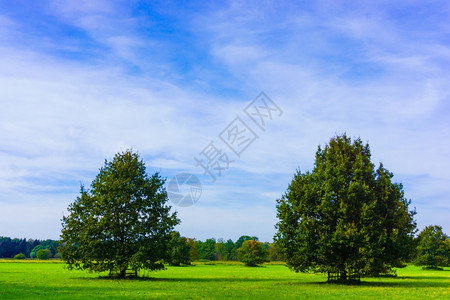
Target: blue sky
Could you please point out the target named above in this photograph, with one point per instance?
(83, 80)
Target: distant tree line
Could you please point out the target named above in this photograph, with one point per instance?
(186, 250)
(9, 248)
(431, 249)
(181, 250)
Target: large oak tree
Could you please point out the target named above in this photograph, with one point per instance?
(344, 217)
(122, 223)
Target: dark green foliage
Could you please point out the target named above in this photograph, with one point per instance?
(31, 244)
(344, 216)
(35, 250)
(179, 250)
(252, 253)
(193, 252)
(47, 244)
(121, 223)
(274, 253)
(10, 247)
(206, 249)
(43, 254)
(433, 248)
(244, 238)
(225, 250)
(19, 256)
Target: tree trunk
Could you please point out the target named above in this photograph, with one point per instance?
(343, 275)
(123, 273)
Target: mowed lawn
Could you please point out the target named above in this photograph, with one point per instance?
(50, 280)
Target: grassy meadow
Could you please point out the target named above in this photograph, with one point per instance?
(50, 280)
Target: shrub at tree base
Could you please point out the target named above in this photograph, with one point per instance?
(252, 253)
(19, 256)
(43, 254)
(344, 217)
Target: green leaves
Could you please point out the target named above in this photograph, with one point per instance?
(252, 253)
(433, 248)
(179, 250)
(344, 215)
(122, 222)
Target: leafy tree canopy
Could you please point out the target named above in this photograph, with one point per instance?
(252, 253)
(43, 254)
(225, 250)
(179, 250)
(433, 248)
(121, 223)
(244, 238)
(344, 216)
(206, 249)
(19, 256)
(193, 246)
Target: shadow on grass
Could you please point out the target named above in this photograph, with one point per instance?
(434, 269)
(426, 278)
(193, 279)
(398, 282)
(408, 283)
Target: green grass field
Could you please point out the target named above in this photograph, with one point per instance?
(49, 280)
